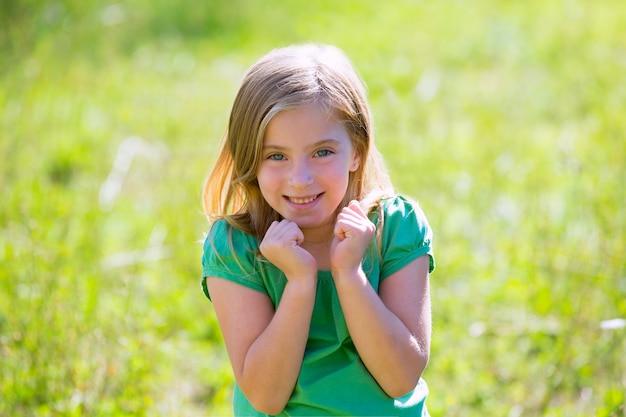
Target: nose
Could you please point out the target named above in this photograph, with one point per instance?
(300, 174)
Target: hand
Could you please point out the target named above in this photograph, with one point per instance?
(281, 246)
(353, 234)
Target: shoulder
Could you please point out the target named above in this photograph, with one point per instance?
(398, 203)
(227, 246)
(231, 254)
(400, 210)
(223, 237)
(404, 229)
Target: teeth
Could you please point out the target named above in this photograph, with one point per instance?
(302, 200)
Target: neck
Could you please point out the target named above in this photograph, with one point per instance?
(319, 235)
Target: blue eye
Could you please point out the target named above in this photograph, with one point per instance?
(323, 152)
(276, 157)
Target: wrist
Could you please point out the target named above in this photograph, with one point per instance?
(354, 274)
(302, 282)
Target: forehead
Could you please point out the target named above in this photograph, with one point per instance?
(305, 123)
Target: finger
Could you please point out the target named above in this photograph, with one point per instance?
(352, 224)
(296, 234)
(279, 228)
(344, 226)
(356, 206)
(354, 210)
(289, 231)
(272, 229)
(351, 219)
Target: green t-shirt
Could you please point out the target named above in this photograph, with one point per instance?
(333, 381)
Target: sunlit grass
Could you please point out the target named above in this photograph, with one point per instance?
(505, 120)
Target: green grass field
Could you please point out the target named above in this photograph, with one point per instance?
(506, 120)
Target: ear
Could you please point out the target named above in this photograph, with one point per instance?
(356, 162)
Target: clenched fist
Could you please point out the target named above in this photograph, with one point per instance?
(353, 234)
(281, 245)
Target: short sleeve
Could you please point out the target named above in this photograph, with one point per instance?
(406, 235)
(230, 254)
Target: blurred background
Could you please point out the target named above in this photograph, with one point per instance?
(505, 119)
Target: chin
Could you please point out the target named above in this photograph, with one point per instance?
(308, 224)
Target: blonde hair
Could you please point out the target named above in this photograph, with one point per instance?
(288, 78)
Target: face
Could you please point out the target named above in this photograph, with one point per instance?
(307, 157)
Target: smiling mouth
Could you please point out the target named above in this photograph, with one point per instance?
(303, 200)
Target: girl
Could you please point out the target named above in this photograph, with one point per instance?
(317, 271)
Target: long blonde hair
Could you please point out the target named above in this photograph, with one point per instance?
(288, 78)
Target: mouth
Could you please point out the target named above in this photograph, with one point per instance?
(303, 200)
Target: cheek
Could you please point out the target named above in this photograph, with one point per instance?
(338, 179)
(262, 180)
(268, 180)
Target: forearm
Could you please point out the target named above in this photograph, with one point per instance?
(394, 355)
(272, 364)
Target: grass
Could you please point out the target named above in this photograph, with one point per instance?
(509, 118)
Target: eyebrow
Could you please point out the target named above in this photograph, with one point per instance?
(314, 145)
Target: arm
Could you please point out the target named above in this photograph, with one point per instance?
(391, 329)
(266, 347)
